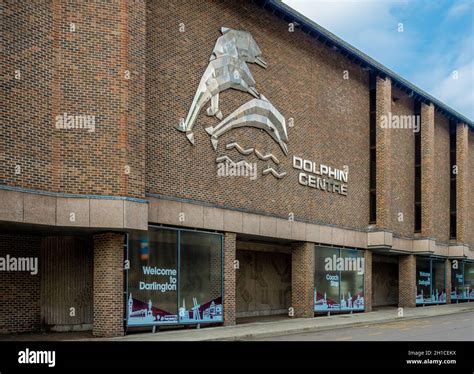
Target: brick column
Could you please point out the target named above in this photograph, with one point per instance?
(448, 281)
(230, 241)
(368, 280)
(383, 152)
(407, 281)
(427, 169)
(302, 279)
(108, 285)
(462, 183)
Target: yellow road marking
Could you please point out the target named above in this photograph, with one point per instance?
(376, 333)
(344, 338)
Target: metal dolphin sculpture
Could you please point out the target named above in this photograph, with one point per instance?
(227, 69)
(258, 113)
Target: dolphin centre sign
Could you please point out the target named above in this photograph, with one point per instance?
(228, 69)
(321, 177)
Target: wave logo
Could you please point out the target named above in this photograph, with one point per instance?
(228, 69)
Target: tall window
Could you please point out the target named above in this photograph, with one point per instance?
(452, 195)
(430, 281)
(417, 112)
(338, 279)
(175, 277)
(373, 154)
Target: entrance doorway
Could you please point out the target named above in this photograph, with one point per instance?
(263, 280)
(384, 281)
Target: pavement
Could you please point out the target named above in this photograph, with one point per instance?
(293, 326)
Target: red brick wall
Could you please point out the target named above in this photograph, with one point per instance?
(19, 291)
(230, 241)
(403, 168)
(108, 284)
(368, 280)
(304, 81)
(302, 282)
(463, 230)
(470, 234)
(407, 281)
(80, 73)
(442, 175)
(383, 154)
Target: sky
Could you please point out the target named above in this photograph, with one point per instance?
(428, 42)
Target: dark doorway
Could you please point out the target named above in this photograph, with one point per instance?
(384, 281)
(263, 281)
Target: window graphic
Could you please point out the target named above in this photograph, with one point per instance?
(468, 288)
(338, 279)
(462, 281)
(430, 281)
(175, 276)
(200, 277)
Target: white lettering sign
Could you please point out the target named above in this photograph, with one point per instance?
(321, 177)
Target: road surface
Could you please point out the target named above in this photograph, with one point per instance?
(459, 326)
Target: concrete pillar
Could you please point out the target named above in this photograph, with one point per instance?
(108, 285)
(302, 279)
(368, 280)
(383, 152)
(448, 281)
(427, 169)
(462, 183)
(230, 241)
(407, 281)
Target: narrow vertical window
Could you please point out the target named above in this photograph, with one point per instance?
(417, 112)
(453, 174)
(373, 154)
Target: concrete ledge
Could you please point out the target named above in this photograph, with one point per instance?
(400, 244)
(460, 251)
(379, 239)
(441, 250)
(424, 245)
(49, 210)
(196, 215)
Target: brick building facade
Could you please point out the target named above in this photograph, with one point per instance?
(135, 66)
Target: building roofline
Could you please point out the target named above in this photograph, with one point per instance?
(278, 8)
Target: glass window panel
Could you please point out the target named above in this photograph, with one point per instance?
(152, 278)
(423, 280)
(457, 282)
(468, 280)
(438, 293)
(326, 282)
(352, 280)
(200, 295)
